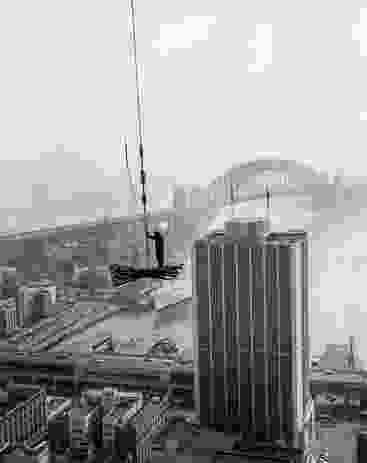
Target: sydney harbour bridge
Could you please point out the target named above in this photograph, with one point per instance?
(287, 181)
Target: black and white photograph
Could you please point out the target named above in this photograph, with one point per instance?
(183, 231)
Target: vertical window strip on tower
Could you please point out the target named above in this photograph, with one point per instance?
(278, 351)
(266, 343)
(294, 329)
(218, 344)
(237, 310)
(299, 334)
(211, 380)
(230, 314)
(251, 343)
(224, 331)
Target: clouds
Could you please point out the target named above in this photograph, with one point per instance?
(174, 36)
(263, 47)
(359, 32)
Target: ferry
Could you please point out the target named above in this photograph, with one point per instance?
(165, 348)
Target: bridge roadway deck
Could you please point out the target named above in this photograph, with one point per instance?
(131, 368)
(82, 226)
(67, 324)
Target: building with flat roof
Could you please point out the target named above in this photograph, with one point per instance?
(18, 456)
(56, 405)
(80, 416)
(182, 441)
(338, 357)
(122, 408)
(8, 316)
(59, 434)
(181, 437)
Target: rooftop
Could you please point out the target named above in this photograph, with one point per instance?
(82, 408)
(340, 440)
(12, 395)
(120, 408)
(337, 356)
(17, 456)
(234, 457)
(195, 440)
(53, 403)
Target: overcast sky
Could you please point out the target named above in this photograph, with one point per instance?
(66, 78)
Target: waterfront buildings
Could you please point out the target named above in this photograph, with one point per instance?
(34, 301)
(8, 281)
(180, 199)
(32, 259)
(8, 316)
(251, 333)
(95, 277)
(338, 357)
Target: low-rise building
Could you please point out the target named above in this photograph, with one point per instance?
(80, 417)
(56, 405)
(8, 281)
(147, 422)
(34, 300)
(59, 434)
(19, 456)
(338, 357)
(118, 408)
(23, 415)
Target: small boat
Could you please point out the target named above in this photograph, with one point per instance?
(127, 341)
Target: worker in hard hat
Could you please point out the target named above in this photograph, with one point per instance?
(158, 238)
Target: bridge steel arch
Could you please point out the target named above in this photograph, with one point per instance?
(249, 180)
(297, 179)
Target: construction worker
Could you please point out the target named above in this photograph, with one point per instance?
(157, 237)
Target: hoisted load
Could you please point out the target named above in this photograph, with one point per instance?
(122, 274)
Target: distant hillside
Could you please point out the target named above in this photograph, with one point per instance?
(65, 189)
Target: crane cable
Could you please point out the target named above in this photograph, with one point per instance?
(133, 191)
(122, 274)
(140, 131)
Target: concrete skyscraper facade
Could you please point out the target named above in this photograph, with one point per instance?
(251, 333)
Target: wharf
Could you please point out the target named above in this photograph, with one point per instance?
(76, 327)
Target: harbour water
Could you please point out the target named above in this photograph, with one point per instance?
(174, 321)
(338, 258)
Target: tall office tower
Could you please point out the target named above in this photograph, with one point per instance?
(251, 349)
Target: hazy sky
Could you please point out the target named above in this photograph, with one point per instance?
(66, 78)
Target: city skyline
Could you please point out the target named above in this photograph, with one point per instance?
(51, 95)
